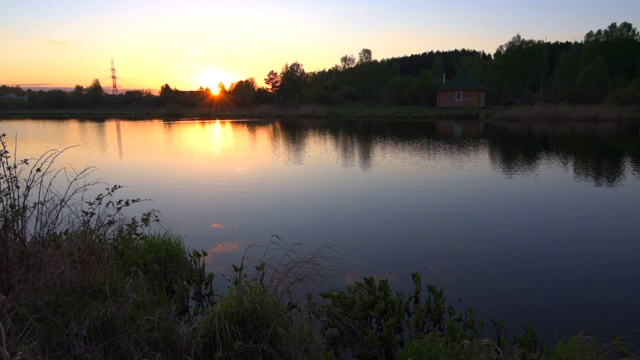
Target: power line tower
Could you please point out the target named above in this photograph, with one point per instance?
(114, 85)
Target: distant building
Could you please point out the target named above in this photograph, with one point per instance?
(462, 91)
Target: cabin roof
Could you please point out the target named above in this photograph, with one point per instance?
(462, 82)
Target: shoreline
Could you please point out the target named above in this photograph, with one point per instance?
(560, 112)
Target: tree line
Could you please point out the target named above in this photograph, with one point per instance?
(602, 68)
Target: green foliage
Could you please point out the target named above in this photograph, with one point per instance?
(78, 278)
(365, 56)
(251, 323)
(521, 65)
(347, 62)
(593, 82)
(293, 82)
(161, 260)
(626, 96)
(260, 317)
(372, 321)
(403, 90)
(243, 92)
(434, 346)
(564, 82)
(427, 84)
(199, 283)
(95, 92)
(273, 81)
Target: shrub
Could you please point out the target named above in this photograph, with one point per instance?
(372, 321)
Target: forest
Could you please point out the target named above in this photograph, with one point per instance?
(602, 68)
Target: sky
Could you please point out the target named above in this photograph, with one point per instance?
(189, 43)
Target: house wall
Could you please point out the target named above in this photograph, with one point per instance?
(470, 98)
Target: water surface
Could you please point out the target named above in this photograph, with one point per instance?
(532, 223)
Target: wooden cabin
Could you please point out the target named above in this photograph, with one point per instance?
(462, 91)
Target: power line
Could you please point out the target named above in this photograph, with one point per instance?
(114, 84)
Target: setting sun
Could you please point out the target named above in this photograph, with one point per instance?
(211, 78)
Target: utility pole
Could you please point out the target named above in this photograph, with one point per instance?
(114, 85)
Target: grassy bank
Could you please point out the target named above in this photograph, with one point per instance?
(259, 112)
(358, 112)
(80, 279)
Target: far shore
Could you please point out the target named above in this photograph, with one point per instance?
(345, 112)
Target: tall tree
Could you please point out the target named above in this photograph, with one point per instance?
(347, 62)
(243, 91)
(95, 92)
(78, 96)
(473, 66)
(222, 90)
(166, 95)
(273, 81)
(593, 81)
(427, 85)
(365, 56)
(438, 67)
(402, 90)
(522, 64)
(565, 75)
(293, 80)
(619, 47)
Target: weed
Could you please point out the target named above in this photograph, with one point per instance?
(370, 320)
(260, 316)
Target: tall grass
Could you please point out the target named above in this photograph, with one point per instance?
(565, 112)
(77, 277)
(263, 314)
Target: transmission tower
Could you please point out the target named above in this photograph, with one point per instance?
(114, 85)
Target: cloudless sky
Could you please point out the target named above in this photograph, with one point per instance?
(192, 43)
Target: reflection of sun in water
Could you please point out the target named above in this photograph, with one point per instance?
(211, 78)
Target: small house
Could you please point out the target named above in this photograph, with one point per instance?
(462, 91)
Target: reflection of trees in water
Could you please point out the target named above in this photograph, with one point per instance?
(358, 141)
(514, 153)
(634, 154)
(361, 139)
(346, 146)
(353, 143)
(599, 158)
(602, 171)
(294, 136)
(597, 151)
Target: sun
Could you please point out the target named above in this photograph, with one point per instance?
(211, 77)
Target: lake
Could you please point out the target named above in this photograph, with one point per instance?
(530, 222)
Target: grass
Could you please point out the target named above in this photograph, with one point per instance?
(346, 112)
(307, 111)
(552, 112)
(79, 279)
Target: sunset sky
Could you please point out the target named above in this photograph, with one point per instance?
(192, 43)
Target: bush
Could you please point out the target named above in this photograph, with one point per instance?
(372, 321)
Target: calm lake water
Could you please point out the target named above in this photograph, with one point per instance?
(532, 223)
